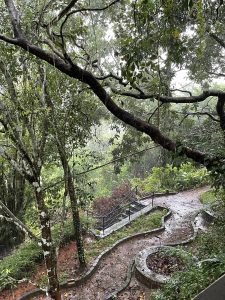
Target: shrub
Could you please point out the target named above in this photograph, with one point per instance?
(209, 247)
(19, 264)
(172, 178)
(208, 197)
(119, 195)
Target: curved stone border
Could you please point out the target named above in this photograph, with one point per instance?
(125, 284)
(96, 263)
(208, 216)
(146, 275)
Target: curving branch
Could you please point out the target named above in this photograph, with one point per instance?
(85, 10)
(198, 114)
(171, 99)
(182, 91)
(13, 219)
(76, 72)
(62, 13)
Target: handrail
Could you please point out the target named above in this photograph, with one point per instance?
(119, 205)
(105, 221)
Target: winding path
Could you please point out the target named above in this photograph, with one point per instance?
(113, 268)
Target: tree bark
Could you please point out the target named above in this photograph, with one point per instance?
(75, 211)
(47, 245)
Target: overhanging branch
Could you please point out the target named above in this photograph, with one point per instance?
(12, 218)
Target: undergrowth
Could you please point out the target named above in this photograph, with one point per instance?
(24, 259)
(208, 197)
(209, 249)
(145, 223)
(170, 178)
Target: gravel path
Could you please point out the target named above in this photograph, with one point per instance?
(113, 269)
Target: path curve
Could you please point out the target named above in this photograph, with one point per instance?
(113, 268)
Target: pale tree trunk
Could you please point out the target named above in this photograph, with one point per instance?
(47, 245)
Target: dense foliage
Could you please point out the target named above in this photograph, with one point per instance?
(171, 178)
(67, 65)
(209, 249)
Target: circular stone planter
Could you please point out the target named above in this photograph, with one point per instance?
(146, 275)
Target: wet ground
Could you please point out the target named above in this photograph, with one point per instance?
(114, 267)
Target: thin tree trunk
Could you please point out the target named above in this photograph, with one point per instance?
(76, 220)
(68, 182)
(74, 207)
(47, 245)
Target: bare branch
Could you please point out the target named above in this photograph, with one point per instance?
(62, 13)
(182, 91)
(170, 99)
(217, 39)
(198, 114)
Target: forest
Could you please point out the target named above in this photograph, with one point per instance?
(112, 132)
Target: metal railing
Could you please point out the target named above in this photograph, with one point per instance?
(121, 211)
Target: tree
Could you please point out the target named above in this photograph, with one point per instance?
(12, 191)
(26, 131)
(64, 48)
(153, 40)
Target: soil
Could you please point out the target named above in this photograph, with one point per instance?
(164, 264)
(112, 270)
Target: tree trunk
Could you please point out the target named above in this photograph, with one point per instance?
(76, 220)
(68, 184)
(47, 245)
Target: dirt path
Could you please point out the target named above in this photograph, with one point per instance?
(113, 268)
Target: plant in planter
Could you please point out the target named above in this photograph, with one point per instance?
(155, 265)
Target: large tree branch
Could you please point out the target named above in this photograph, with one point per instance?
(156, 135)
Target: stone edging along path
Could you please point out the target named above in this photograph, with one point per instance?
(205, 214)
(96, 263)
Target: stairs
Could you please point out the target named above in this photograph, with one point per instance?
(118, 215)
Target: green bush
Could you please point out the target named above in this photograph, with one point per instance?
(19, 264)
(208, 197)
(172, 178)
(23, 260)
(208, 246)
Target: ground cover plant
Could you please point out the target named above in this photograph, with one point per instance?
(208, 197)
(23, 261)
(65, 63)
(209, 249)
